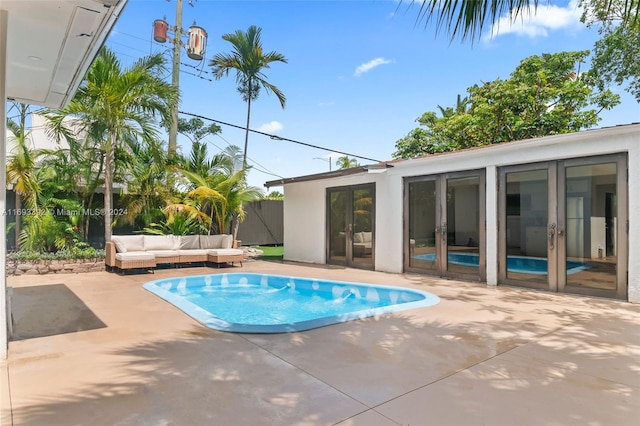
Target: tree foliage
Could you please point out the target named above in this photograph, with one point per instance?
(345, 162)
(21, 170)
(616, 57)
(468, 19)
(273, 195)
(545, 95)
(115, 103)
(196, 130)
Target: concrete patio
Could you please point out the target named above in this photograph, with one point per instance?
(98, 349)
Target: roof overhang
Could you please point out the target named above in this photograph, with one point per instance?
(370, 168)
(51, 44)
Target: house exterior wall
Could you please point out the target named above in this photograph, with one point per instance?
(305, 202)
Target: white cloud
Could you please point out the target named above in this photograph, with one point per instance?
(271, 127)
(366, 67)
(538, 23)
(326, 104)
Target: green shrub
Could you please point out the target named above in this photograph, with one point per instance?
(80, 251)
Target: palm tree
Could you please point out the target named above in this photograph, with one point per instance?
(248, 60)
(345, 162)
(219, 190)
(21, 168)
(468, 18)
(461, 107)
(147, 192)
(77, 171)
(114, 104)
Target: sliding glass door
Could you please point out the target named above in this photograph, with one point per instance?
(350, 226)
(444, 224)
(563, 226)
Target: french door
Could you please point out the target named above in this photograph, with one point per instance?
(444, 229)
(351, 226)
(563, 226)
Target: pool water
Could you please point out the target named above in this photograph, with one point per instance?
(518, 264)
(260, 303)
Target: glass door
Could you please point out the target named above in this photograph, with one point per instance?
(465, 214)
(422, 231)
(594, 246)
(527, 226)
(444, 231)
(350, 226)
(563, 226)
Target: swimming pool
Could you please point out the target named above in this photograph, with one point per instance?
(261, 303)
(518, 264)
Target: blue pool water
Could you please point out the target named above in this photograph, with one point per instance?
(260, 303)
(520, 264)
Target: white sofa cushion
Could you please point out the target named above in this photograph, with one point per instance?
(362, 237)
(125, 243)
(135, 255)
(187, 242)
(163, 253)
(193, 252)
(225, 252)
(220, 241)
(160, 242)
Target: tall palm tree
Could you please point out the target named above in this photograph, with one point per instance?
(248, 60)
(21, 164)
(115, 103)
(468, 18)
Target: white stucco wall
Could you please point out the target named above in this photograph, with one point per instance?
(304, 205)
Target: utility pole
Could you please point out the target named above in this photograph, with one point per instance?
(195, 50)
(175, 80)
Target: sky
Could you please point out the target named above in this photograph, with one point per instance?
(359, 72)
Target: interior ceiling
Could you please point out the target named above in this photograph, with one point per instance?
(51, 44)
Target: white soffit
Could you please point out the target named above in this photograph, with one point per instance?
(51, 44)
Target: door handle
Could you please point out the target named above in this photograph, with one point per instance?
(443, 231)
(551, 232)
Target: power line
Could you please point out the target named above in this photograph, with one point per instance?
(278, 137)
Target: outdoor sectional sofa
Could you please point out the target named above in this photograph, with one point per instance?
(147, 251)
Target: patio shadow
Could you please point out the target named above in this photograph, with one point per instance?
(59, 311)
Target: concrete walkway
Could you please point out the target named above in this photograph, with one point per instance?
(97, 349)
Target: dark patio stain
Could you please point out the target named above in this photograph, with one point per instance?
(47, 310)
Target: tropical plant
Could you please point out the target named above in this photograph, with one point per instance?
(273, 195)
(114, 104)
(219, 190)
(460, 107)
(468, 19)
(248, 60)
(76, 171)
(147, 192)
(345, 162)
(21, 172)
(54, 226)
(544, 95)
(179, 220)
